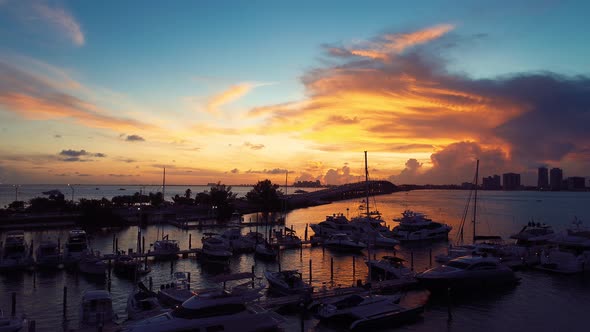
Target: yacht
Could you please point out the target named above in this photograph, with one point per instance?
(572, 254)
(130, 267)
(288, 239)
(415, 226)
(341, 241)
(176, 291)
(530, 241)
(96, 310)
(287, 282)
(336, 223)
(15, 253)
(370, 231)
(488, 245)
(389, 267)
(215, 250)
(165, 248)
(360, 311)
(467, 272)
(76, 246)
(48, 255)
(92, 264)
(236, 241)
(143, 303)
(213, 310)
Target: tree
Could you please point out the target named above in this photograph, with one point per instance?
(222, 199)
(187, 193)
(266, 196)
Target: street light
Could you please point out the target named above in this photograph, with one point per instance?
(72, 187)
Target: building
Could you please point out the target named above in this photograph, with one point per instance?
(491, 183)
(543, 178)
(511, 181)
(555, 178)
(576, 183)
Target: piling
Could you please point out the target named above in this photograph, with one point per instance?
(116, 245)
(188, 278)
(190, 245)
(353, 269)
(32, 325)
(310, 272)
(171, 267)
(305, 232)
(151, 283)
(253, 276)
(331, 268)
(302, 316)
(430, 257)
(34, 279)
(449, 311)
(138, 240)
(65, 301)
(114, 237)
(412, 261)
(143, 244)
(13, 304)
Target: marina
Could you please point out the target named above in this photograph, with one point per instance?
(331, 272)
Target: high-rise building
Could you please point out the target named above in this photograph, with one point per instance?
(555, 178)
(511, 181)
(543, 179)
(576, 183)
(491, 183)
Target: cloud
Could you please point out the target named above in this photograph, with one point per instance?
(61, 19)
(268, 171)
(230, 95)
(339, 176)
(235, 171)
(412, 103)
(134, 138)
(57, 136)
(254, 146)
(74, 155)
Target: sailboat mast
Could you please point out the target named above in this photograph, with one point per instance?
(367, 184)
(475, 198)
(164, 185)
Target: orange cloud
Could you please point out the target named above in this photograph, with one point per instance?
(230, 95)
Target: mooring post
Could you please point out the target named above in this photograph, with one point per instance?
(412, 260)
(430, 257)
(171, 267)
(353, 269)
(138, 240)
(306, 232)
(117, 245)
(114, 237)
(65, 301)
(188, 277)
(32, 325)
(151, 283)
(143, 244)
(190, 244)
(450, 313)
(13, 304)
(331, 268)
(302, 315)
(310, 274)
(34, 279)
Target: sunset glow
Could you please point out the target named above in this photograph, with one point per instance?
(218, 94)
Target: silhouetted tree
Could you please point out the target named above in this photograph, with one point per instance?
(156, 199)
(187, 193)
(222, 199)
(266, 196)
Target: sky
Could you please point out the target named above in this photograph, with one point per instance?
(113, 92)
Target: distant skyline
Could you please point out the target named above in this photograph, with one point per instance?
(110, 92)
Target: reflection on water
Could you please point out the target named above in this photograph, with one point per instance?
(542, 302)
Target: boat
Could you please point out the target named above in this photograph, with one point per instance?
(288, 282)
(92, 264)
(530, 241)
(215, 250)
(176, 291)
(130, 267)
(265, 251)
(165, 248)
(360, 311)
(336, 223)
(287, 239)
(143, 303)
(15, 253)
(468, 272)
(10, 324)
(76, 246)
(572, 254)
(96, 310)
(237, 242)
(370, 232)
(415, 226)
(389, 267)
(343, 242)
(48, 255)
(213, 310)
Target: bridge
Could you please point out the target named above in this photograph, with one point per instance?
(342, 192)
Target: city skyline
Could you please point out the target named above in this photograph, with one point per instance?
(238, 92)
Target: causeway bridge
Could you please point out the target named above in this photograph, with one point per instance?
(342, 192)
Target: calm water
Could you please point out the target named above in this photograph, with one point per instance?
(542, 302)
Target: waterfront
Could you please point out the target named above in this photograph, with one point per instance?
(542, 302)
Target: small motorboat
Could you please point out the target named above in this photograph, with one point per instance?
(165, 249)
(215, 250)
(96, 310)
(15, 253)
(265, 251)
(343, 242)
(92, 264)
(76, 246)
(130, 267)
(48, 255)
(176, 291)
(389, 267)
(143, 303)
(415, 226)
(288, 282)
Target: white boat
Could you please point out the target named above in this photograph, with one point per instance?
(15, 253)
(92, 264)
(389, 267)
(96, 310)
(213, 310)
(176, 291)
(76, 246)
(467, 272)
(237, 242)
(48, 255)
(572, 254)
(530, 241)
(215, 250)
(265, 251)
(359, 311)
(130, 267)
(482, 245)
(165, 248)
(341, 241)
(336, 223)
(143, 303)
(10, 324)
(370, 231)
(288, 282)
(415, 226)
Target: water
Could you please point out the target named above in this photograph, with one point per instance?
(542, 302)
